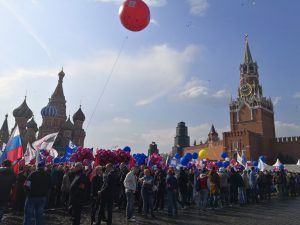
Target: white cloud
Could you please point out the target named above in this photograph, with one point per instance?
(297, 94)
(221, 94)
(198, 7)
(194, 89)
(121, 120)
(276, 100)
(284, 129)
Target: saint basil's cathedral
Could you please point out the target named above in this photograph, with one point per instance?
(54, 120)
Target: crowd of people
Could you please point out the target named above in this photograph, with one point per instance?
(134, 190)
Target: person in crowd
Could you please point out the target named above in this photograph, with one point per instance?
(214, 181)
(97, 182)
(54, 185)
(77, 193)
(202, 189)
(236, 187)
(261, 185)
(122, 197)
(65, 187)
(160, 182)
(224, 185)
(172, 187)
(247, 186)
(60, 175)
(253, 185)
(20, 190)
(241, 188)
(147, 193)
(182, 183)
(7, 179)
(37, 185)
(269, 184)
(279, 183)
(190, 187)
(139, 189)
(130, 184)
(107, 193)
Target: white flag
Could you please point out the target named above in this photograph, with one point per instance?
(239, 158)
(45, 143)
(261, 165)
(53, 153)
(29, 154)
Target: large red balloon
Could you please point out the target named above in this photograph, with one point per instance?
(134, 15)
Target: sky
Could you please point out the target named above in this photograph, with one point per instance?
(183, 67)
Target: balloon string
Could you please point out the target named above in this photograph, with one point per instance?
(107, 81)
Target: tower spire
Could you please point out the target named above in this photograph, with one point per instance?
(247, 57)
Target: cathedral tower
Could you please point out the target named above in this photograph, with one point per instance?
(4, 132)
(22, 114)
(78, 133)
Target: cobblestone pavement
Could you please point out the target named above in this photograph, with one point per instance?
(274, 212)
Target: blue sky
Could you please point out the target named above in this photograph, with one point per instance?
(182, 67)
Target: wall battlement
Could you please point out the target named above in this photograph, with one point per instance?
(287, 140)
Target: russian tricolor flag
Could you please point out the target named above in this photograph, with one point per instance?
(13, 150)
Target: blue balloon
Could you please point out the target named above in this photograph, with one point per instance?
(263, 158)
(224, 155)
(195, 155)
(127, 149)
(220, 164)
(255, 163)
(189, 156)
(281, 166)
(226, 164)
(184, 161)
(177, 156)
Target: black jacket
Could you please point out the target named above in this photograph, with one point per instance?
(78, 189)
(7, 179)
(109, 186)
(97, 183)
(39, 183)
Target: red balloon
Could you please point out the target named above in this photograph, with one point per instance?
(134, 15)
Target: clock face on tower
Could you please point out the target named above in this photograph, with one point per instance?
(246, 90)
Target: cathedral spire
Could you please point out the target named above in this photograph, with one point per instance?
(4, 133)
(247, 56)
(58, 93)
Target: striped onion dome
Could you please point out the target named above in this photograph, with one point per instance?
(49, 111)
(23, 111)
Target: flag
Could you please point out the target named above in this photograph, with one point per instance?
(72, 145)
(3, 148)
(38, 158)
(239, 159)
(13, 150)
(53, 153)
(69, 150)
(242, 159)
(263, 166)
(29, 154)
(45, 142)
